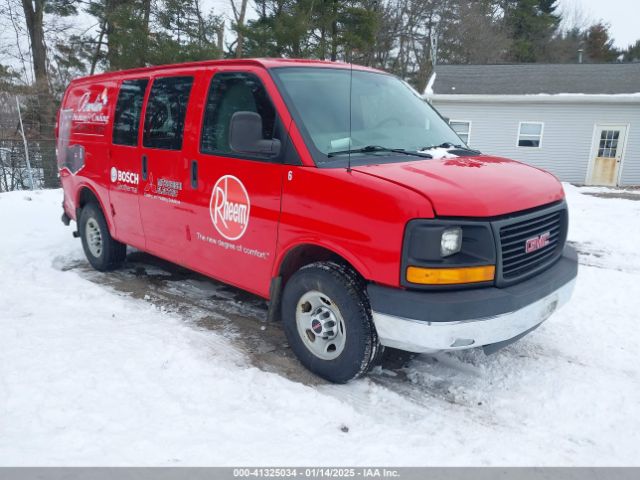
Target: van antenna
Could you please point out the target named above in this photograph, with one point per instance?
(350, 88)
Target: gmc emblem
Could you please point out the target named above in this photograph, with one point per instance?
(536, 243)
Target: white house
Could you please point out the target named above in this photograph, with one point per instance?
(578, 121)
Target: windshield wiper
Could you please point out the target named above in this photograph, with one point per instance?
(378, 148)
(452, 146)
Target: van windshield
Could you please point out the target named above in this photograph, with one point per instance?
(385, 113)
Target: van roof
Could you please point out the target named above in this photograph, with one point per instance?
(260, 62)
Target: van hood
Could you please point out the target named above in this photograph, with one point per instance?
(480, 186)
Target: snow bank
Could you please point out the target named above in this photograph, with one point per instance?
(605, 231)
(88, 376)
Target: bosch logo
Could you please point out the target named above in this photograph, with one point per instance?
(123, 176)
(536, 243)
(230, 207)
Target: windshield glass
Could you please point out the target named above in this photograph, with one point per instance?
(385, 112)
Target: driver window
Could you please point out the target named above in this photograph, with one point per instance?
(232, 92)
(166, 111)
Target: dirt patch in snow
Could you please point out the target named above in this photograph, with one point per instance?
(211, 305)
(623, 195)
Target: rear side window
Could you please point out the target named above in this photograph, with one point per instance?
(230, 93)
(126, 122)
(165, 114)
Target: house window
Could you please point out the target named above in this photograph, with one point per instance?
(608, 146)
(530, 134)
(462, 128)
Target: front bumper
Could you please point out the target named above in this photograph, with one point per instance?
(423, 322)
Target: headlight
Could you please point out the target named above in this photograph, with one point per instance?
(451, 241)
(447, 252)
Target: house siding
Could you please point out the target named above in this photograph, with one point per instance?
(567, 138)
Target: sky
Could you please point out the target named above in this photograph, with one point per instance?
(621, 15)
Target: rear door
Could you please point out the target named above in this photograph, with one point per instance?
(236, 201)
(163, 165)
(124, 173)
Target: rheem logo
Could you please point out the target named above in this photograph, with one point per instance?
(229, 207)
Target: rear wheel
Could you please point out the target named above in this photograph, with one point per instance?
(327, 320)
(103, 252)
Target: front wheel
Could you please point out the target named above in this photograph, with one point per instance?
(327, 320)
(103, 252)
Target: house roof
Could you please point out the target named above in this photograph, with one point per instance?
(534, 79)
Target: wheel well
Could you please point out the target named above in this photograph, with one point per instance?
(294, 260)
(303, 255)
(87, 196)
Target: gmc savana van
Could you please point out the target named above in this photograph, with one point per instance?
(333, 191)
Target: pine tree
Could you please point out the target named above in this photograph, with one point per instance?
(599, 45)
(138, 33)
(531, 24)
(184, 33)
(633, 53)
(326, 29)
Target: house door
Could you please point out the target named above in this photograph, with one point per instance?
(608, 149)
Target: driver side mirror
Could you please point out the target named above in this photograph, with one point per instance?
(245, 135)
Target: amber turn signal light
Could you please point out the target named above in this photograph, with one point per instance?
(450, 276)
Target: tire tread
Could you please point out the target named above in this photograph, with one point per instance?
(114, 252)
(355, 287)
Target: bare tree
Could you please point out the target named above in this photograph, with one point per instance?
(34, 18)
(476, 35)
(19, 53)
(239, 15)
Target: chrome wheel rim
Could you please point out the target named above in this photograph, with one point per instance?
(94, 237)
(320, 325)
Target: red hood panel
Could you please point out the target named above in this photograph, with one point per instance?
(473, 186)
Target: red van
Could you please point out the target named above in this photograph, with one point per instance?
(335, 192)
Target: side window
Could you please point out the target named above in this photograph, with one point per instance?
(166, 110)
(126, 121)
(230, 93)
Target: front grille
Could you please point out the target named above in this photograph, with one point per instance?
(548, 224)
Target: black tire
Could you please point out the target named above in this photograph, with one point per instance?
(347, 292)
(112, 253)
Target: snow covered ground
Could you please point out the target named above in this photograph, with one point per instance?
(145, 367)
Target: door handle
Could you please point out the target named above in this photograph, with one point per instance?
(145, 168)
(194, 174)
